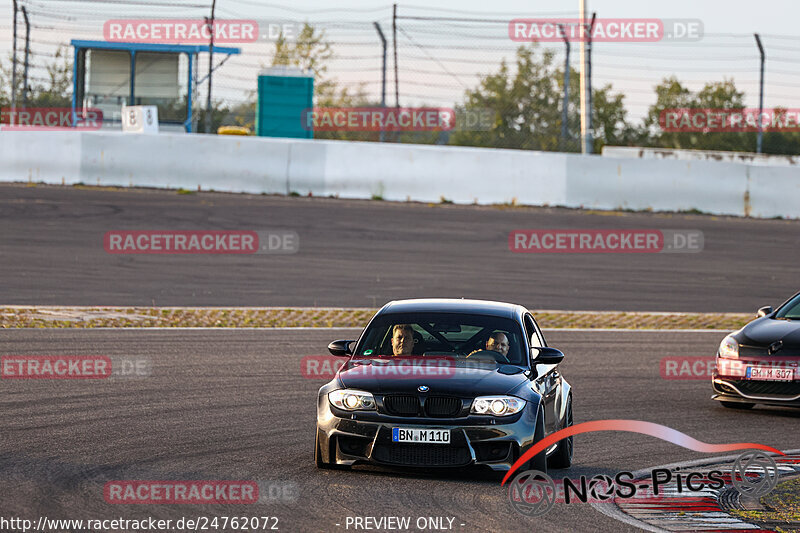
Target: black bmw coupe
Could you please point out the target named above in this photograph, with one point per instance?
(444, 383)
(758, 364)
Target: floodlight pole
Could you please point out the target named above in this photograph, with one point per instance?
(14, 62)
(210, 23)
(383, 70)
(589, 138)
(582, 29)
(760, 96)
(564, 130)
(27, 55)
(394, 45)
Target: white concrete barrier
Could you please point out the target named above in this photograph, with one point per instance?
(429, 173)
(398, 172)
(226, 163)
(51, 157)
(661, 185)
(748, 158)
(773, 192)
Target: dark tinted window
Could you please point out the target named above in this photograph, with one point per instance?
(791, 310)
(448, 334)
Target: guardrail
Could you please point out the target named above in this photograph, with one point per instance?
(398, 172)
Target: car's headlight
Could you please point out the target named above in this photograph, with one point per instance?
(496, 405)
(729, 348)
(352, 400)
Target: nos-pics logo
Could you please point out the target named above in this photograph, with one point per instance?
(533, 493)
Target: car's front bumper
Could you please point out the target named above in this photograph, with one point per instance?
(736, 389)
(346, 438)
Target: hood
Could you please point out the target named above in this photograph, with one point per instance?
(449, 377)
(765, 331)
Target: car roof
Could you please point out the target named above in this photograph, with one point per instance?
(453, 305)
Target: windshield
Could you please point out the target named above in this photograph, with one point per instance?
(791, 310)
(472, 337)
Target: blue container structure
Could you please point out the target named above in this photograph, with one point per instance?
(192, 52)
(285, 95)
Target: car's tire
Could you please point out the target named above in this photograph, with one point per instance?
(738, 405)
(562, 457)
(539, 461)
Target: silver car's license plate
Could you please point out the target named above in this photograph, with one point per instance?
(769, 373)
(422, 436)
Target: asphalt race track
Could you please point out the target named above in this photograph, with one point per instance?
(232, 404)
(365, 253)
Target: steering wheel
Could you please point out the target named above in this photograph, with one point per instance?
(490, 353)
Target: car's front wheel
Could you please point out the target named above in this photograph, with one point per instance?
(562, 457)
(738, 405)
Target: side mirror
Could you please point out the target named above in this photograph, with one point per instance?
(546, 356)
(340, 348)
(764, 311)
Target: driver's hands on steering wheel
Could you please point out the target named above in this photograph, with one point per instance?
(493, 353)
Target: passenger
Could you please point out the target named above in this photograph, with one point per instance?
(402, 339)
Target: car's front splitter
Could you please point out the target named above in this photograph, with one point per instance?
(345, 441)
(761, 392)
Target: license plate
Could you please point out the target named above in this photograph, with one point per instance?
(421, 436)
(769, 373)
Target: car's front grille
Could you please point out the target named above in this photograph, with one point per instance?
(442, 406)
(752, 351)
(401, 405)
(768, 388)
(421, 455)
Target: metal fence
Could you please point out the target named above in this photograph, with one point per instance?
(442, 56)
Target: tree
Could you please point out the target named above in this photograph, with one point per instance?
(525, 104)
(609, 120)
(672, 95)
(5, 92)
(311, 51)
(528, 107)
(56, 91)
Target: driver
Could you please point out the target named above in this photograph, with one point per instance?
(403, 339)
(497, 342)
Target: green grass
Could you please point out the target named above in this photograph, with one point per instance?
(781, 506)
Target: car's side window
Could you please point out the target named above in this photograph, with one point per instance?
(531, 332)
(539, 334)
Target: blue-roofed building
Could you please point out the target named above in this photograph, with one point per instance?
(109, 75)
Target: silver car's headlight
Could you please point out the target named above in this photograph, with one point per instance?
(729, 348)
(496, 405)
(352, 400)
